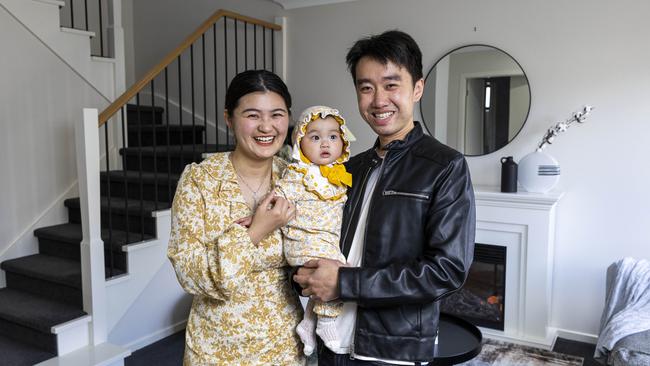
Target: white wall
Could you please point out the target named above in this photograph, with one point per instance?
(160, 26)
(574, 53)
(40, 100)
(519, 102)
(160, 310)
(129, 51)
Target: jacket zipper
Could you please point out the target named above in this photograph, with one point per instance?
(406, 194)
(363, 259)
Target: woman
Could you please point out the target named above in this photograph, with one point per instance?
(244, 311)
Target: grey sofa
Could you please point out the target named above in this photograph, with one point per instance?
(633, 350)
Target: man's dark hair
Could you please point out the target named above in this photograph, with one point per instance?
(251, 81)
(394, 46)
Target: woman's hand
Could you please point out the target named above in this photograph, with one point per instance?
(245, 221)
(272, 213)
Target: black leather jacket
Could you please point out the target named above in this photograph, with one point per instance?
(418, 247)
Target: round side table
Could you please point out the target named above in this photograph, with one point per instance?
(458, 341)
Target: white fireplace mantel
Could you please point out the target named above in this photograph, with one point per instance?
(524, 223)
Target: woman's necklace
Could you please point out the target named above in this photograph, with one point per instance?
(253, 191)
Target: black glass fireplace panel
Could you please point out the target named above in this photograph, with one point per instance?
(481, 301)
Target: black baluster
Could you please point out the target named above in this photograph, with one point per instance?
(168, 150)
(255, 42)
(101, 31)
(225, 47)
(236, 49)
(86, 12)
(180, 111)
(192, 99)
(204, 134)
(273, 50)
(245, 45)
(155, 155)
(264, 45)
(126, 182)
(108, 195)
(216, 104)
(137, 98)
(71, 14)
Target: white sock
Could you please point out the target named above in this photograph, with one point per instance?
(326, 330)
(305, 329)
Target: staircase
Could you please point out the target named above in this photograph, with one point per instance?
(44, 290)
(42, 306)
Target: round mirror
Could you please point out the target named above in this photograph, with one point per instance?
(476, 99)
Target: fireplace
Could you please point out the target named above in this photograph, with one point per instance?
(523, 226)
(481, 301)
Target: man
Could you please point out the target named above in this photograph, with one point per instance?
(408, 224)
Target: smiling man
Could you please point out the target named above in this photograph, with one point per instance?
(408, 225)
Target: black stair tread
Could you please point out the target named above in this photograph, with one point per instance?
(172, 128)
(59, 270)
(117, 205)
(34, 311)
(175, 150)
(143, 108)
(14, 353)
(44, 267)
(147, 177)
(72, 233)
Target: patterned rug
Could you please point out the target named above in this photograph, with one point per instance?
(509, 354)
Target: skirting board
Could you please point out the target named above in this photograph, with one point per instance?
(155, 337)
(499, 336)
(553, 333)
(576, 336)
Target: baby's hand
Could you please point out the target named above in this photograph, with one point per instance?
(245, 221)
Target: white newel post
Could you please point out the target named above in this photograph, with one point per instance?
(92, 247)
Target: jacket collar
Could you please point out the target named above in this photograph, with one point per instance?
(414, 135)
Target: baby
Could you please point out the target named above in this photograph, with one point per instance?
(316, 182)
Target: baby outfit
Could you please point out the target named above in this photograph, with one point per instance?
(319, 193)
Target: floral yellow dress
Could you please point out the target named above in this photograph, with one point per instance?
(244, 311)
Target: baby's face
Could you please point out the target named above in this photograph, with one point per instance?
(322, 143)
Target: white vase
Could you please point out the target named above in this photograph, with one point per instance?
(538, 172)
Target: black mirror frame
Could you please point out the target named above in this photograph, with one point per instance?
(530, 97)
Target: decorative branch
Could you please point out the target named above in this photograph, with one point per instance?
(578, 117)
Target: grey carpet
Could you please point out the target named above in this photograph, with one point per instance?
(13, 353)
(496, 353)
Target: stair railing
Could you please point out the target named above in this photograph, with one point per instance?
(90, 16)
(188, 87)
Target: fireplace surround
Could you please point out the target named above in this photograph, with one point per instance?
(523, 223)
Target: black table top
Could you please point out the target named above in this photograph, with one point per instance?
(458, 341)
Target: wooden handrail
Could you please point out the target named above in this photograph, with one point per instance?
(151, 74)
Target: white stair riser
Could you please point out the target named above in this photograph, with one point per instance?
(72, 335)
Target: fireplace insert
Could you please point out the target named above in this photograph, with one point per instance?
(481, 300)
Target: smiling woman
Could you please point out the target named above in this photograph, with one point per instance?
(225, 245)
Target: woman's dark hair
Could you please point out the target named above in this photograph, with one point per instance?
(255, 81)
(394, 46)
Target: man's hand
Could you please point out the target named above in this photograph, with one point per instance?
(319, 279)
